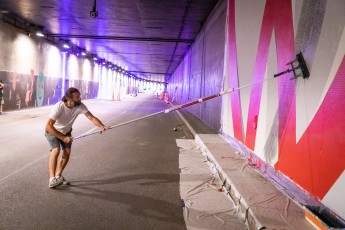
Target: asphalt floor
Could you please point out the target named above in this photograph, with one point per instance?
(125, 178)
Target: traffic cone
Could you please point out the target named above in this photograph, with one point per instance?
(118, 96)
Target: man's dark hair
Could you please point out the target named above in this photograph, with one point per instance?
(69, 93)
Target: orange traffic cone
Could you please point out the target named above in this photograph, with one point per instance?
(118, 96)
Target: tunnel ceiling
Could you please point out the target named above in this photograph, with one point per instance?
(150, 37)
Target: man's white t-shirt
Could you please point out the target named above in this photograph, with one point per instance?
(64, 117)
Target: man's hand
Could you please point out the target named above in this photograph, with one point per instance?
(67, 139)
(103, 128)
(96, 121)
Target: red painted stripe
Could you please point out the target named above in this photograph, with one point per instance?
(277, 16)
(233, 74)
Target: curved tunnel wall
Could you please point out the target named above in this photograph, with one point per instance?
(37, 73)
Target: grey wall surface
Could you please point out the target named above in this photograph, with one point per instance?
(201, 72)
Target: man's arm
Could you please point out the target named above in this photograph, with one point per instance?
(95, 121)
(52, 131)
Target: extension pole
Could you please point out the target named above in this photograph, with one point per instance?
(200, 100)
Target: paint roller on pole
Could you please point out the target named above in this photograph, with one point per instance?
(301, 65)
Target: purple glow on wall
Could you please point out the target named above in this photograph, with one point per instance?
(63, 73)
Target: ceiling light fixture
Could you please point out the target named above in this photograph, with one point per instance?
(39, 32)
(66, 45)
(83, 53)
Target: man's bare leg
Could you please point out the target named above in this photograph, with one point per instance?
(53, 161)
(63, 162)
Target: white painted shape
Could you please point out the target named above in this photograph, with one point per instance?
(329, 53)
(272, 102)
(336, 64)
(334, 199)
(296, 13)
(248, 18)
(268, 108)
(227, 127)
(261, 125)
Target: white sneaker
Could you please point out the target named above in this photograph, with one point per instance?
(61, 178)
(54, 182)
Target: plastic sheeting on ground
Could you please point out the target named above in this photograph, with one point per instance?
(266, 206)
(206, 207)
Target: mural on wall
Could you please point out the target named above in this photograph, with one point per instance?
(17, 91)
(292, 126)
(29, 90)
(231, 63)
(52, 89)
(315, 160)
(40, 89)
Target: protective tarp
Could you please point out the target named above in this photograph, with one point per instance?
(267, 207)
(206, 206)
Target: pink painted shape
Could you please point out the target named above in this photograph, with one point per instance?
(233, 73)
(277, 16)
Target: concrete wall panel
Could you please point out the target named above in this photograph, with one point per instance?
(202, 70)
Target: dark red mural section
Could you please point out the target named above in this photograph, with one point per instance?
(35, 90)
(232, 70)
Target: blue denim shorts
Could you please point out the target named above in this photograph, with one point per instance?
(55, 142)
